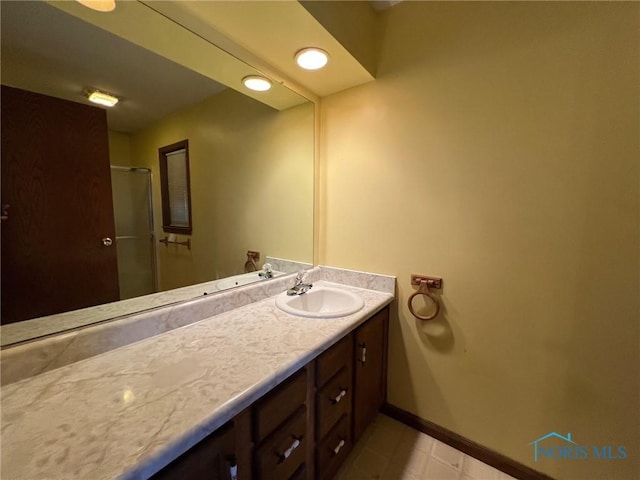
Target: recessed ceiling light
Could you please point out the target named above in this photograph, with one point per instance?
(312, 58)
(102, 98)
(257, 83)
(99, 5)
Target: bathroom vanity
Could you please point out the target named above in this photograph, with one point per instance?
(252, 390)
(305, 427)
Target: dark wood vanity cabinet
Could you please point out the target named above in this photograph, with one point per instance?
(370, 371)
(334, 407)
(306, 426)
(211, 459)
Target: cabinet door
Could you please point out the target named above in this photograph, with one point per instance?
(369, 371)
(210, 459)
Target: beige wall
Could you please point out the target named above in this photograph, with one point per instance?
(251, 170)
(120, 149)
(498, 148)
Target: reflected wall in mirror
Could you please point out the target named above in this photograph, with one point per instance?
(251, 169)
(251, 172)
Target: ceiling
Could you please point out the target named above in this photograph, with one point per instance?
(380, 5)
(62, 49)
(269, 33)
(50, 52)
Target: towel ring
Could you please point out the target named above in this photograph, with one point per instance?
(423, 289)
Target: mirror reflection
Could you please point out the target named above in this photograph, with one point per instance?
(85, 221)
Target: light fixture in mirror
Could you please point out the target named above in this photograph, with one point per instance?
(312, 58)
(247, 160)
(102, 98)
(256, 83)
(99, 5)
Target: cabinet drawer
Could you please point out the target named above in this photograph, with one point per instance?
(279, 405)
(211, 459)
(333, 450)
(285, 451)
(333, 401)
(300, 474)
(328, 364)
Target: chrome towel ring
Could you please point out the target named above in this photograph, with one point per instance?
(423, 289)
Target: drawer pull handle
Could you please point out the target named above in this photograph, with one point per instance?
(287, 453)
(339, 397)
(363, 359)
(338, 448)
(232, 462)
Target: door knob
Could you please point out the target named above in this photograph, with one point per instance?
(107, 242)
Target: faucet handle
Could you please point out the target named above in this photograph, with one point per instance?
(299, 288)
(266, 267)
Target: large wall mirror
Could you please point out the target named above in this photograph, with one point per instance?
(250, 166)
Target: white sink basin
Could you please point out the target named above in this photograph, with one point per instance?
(320, 302)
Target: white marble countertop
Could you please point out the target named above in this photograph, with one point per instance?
(129, 412)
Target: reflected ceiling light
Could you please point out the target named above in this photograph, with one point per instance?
(99, 5)
(312, 58)
(257, 83)
(102, 98)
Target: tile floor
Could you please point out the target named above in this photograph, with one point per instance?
(389, 450)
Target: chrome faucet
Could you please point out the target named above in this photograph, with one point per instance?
(299, 288)
(266, 271)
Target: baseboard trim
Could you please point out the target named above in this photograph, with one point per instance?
(485, 455)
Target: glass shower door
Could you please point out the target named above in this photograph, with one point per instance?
(133, 213)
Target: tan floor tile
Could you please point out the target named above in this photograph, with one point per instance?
(436, 470)
(385, 438)
(447, 454)
(409, 458)
(357, 449)
(389, 450)
(370, 462)
(476, 470)
(348, 462)
(367, 433)
(397, 472)
(350, 472)
(389, 422)
(356, 474)
(419, 440)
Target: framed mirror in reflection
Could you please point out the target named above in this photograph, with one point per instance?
(175, 187)
(82, 241)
